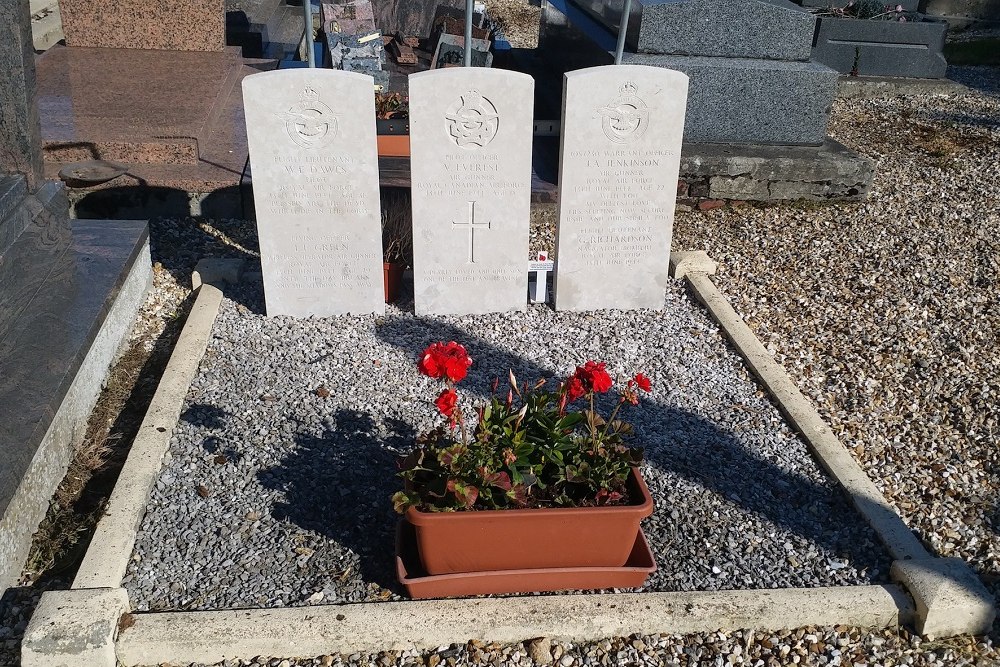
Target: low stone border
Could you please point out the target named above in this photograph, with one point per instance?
(950, 599)
(77, 628)
(111, 547)
(214, 636)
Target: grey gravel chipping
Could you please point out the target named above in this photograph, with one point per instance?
(277, 492)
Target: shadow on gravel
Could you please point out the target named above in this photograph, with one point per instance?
(977, 77)
(686, 444)
(211, 417)
(337, 485)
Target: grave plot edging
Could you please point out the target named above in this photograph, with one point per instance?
(107, 558)
(825, 446)
(950, 599)
(213, 636)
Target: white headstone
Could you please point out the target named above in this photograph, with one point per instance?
(470, 151)
(311, 134)
(620, 155)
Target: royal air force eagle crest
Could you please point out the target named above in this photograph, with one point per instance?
(472, 120)
(309, 122)
(625, 118)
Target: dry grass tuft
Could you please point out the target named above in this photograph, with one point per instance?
(397, 226)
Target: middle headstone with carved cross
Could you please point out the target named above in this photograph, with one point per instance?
(470, 147)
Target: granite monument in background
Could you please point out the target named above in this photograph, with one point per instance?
(171, 25)
(69, 291)
(751, 78)
(620, 154)
(311, 135)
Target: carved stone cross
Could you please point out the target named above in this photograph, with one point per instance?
(473, 226)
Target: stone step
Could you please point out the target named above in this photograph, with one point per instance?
(173, 150)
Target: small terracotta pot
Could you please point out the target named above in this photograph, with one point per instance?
(393, 274)
(393, 145)
(480, 541)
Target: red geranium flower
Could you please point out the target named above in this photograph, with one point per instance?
(445, 360)
(642, 382)
(446, 402)
(574, 388)
(594, 377)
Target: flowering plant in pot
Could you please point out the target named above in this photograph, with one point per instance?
(540, 480)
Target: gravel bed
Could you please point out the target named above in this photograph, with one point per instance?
(886, 311)
(277, 491)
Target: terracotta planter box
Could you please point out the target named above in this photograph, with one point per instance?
(393, 137)
(883, 48)
(571, 537)
(419, 585)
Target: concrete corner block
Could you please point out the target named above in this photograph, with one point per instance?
(75, 628)
(213, 270)
(691, 261)
(950, 599)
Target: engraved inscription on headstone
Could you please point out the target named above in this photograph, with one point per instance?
(311, 134)
(470, 134)
(621, 143)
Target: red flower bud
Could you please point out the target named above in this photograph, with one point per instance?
(642, 382)
(446, 402)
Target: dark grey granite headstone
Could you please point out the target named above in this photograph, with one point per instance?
(738, 100)
(20, 135)
(730, 100)
(68, 294)
(767, 29)
(882, 48)
(13, 188)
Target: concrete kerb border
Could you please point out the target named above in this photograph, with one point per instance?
(950, 599)
(872, 87)
(79, 627)
(213, 636)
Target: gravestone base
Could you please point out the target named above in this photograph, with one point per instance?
(71, 291)
(743, 100)
(773, 173)
(745, 172)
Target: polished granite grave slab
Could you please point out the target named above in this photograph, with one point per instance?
(174, 118)
(58, 282)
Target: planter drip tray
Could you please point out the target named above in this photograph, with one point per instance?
(420, 585)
